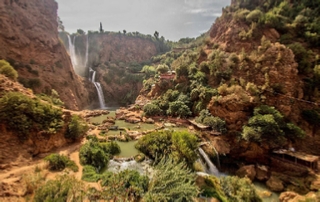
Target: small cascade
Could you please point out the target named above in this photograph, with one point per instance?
(72, 52)
(212, 168)
(99, 89)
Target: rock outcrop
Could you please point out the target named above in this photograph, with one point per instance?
(29, 41)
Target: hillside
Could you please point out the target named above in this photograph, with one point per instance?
(254, 80)
(29, 41)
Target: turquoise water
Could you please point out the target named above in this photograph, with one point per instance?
(260, 187)
(127, 149)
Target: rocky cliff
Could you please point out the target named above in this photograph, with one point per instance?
(117, 58)
(29, 41)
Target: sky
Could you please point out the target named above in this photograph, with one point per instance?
(173, 19)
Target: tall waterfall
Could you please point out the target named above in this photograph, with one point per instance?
(72, 52)
(99, 89)
(212, 168)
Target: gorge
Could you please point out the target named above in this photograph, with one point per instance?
(249, 87)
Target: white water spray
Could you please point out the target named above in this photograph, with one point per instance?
(99, 89)
(72, 52)
(212, 168)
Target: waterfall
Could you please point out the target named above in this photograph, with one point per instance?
(72, 52)
(99, 89)
(87, 52)
(212, 168)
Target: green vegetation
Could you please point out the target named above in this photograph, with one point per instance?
(76, 128)
(7, 70)
(210, 187)
(171, 182)
(239, 189)
(268, 125)
(23, 114)
(65, 188)
(180, 146)
(53, 98)
(125, 185)
(60, 162)
(215, 123)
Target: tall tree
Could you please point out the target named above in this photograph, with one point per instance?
(156, 34)
(101, 29)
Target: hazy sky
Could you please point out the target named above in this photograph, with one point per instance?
(173, 19)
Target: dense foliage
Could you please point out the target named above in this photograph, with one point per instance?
(64, 188)
(59, 162)
(97, 154)
(269, 125)
(125, 185)
(180, 146)
(239, 189)
(24, 114)
(171, 182)
(215, 123)
(76, 128)
(7, 70)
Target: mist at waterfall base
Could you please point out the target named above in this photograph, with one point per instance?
(80, 66)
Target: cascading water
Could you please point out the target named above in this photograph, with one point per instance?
(212, 168)
(72, 52)
(99, 89)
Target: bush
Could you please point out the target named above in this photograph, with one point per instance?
(76, 128)
(23, 115)
(60, 162)
(125, 185)
(111, 147)
(171, 182)
(215, 123)
(92, 153)
(254, 16)
(180, 145)
(269, 125)
(151, 109)
(178, 108)
(239, 189)
(89, 174)
(65, 188)
(7, 70)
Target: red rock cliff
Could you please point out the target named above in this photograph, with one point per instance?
(29, 41)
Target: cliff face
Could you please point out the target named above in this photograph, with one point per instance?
(29, 41)
(117, 58)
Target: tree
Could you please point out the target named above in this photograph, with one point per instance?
(162, 69)
(171, 182)
(60, 24)
(124, 32)
(156, 35)
(76, 128)
(80, 31)
(101, 29)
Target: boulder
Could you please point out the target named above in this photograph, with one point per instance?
(247, 171)
(262, 172)
(315, 184)
(275, 184)
(150, 121)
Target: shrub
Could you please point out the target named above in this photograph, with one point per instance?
(162, 69)
(125, 185)
(65, 188)
(171, 182)
(92, 153)
(111, 147)
(254, 16)
(178, 108)
(60, 162)
(211, 188)
(7, 70)
(268, 125)
(215, 123)
(151, 109)
(89, 174)
(312, 117)
(239, 189)
(23, 115)
(76, 128)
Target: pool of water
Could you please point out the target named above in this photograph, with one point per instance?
(127, 149)
(260, 187)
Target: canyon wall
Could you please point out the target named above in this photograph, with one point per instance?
(29, 41)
